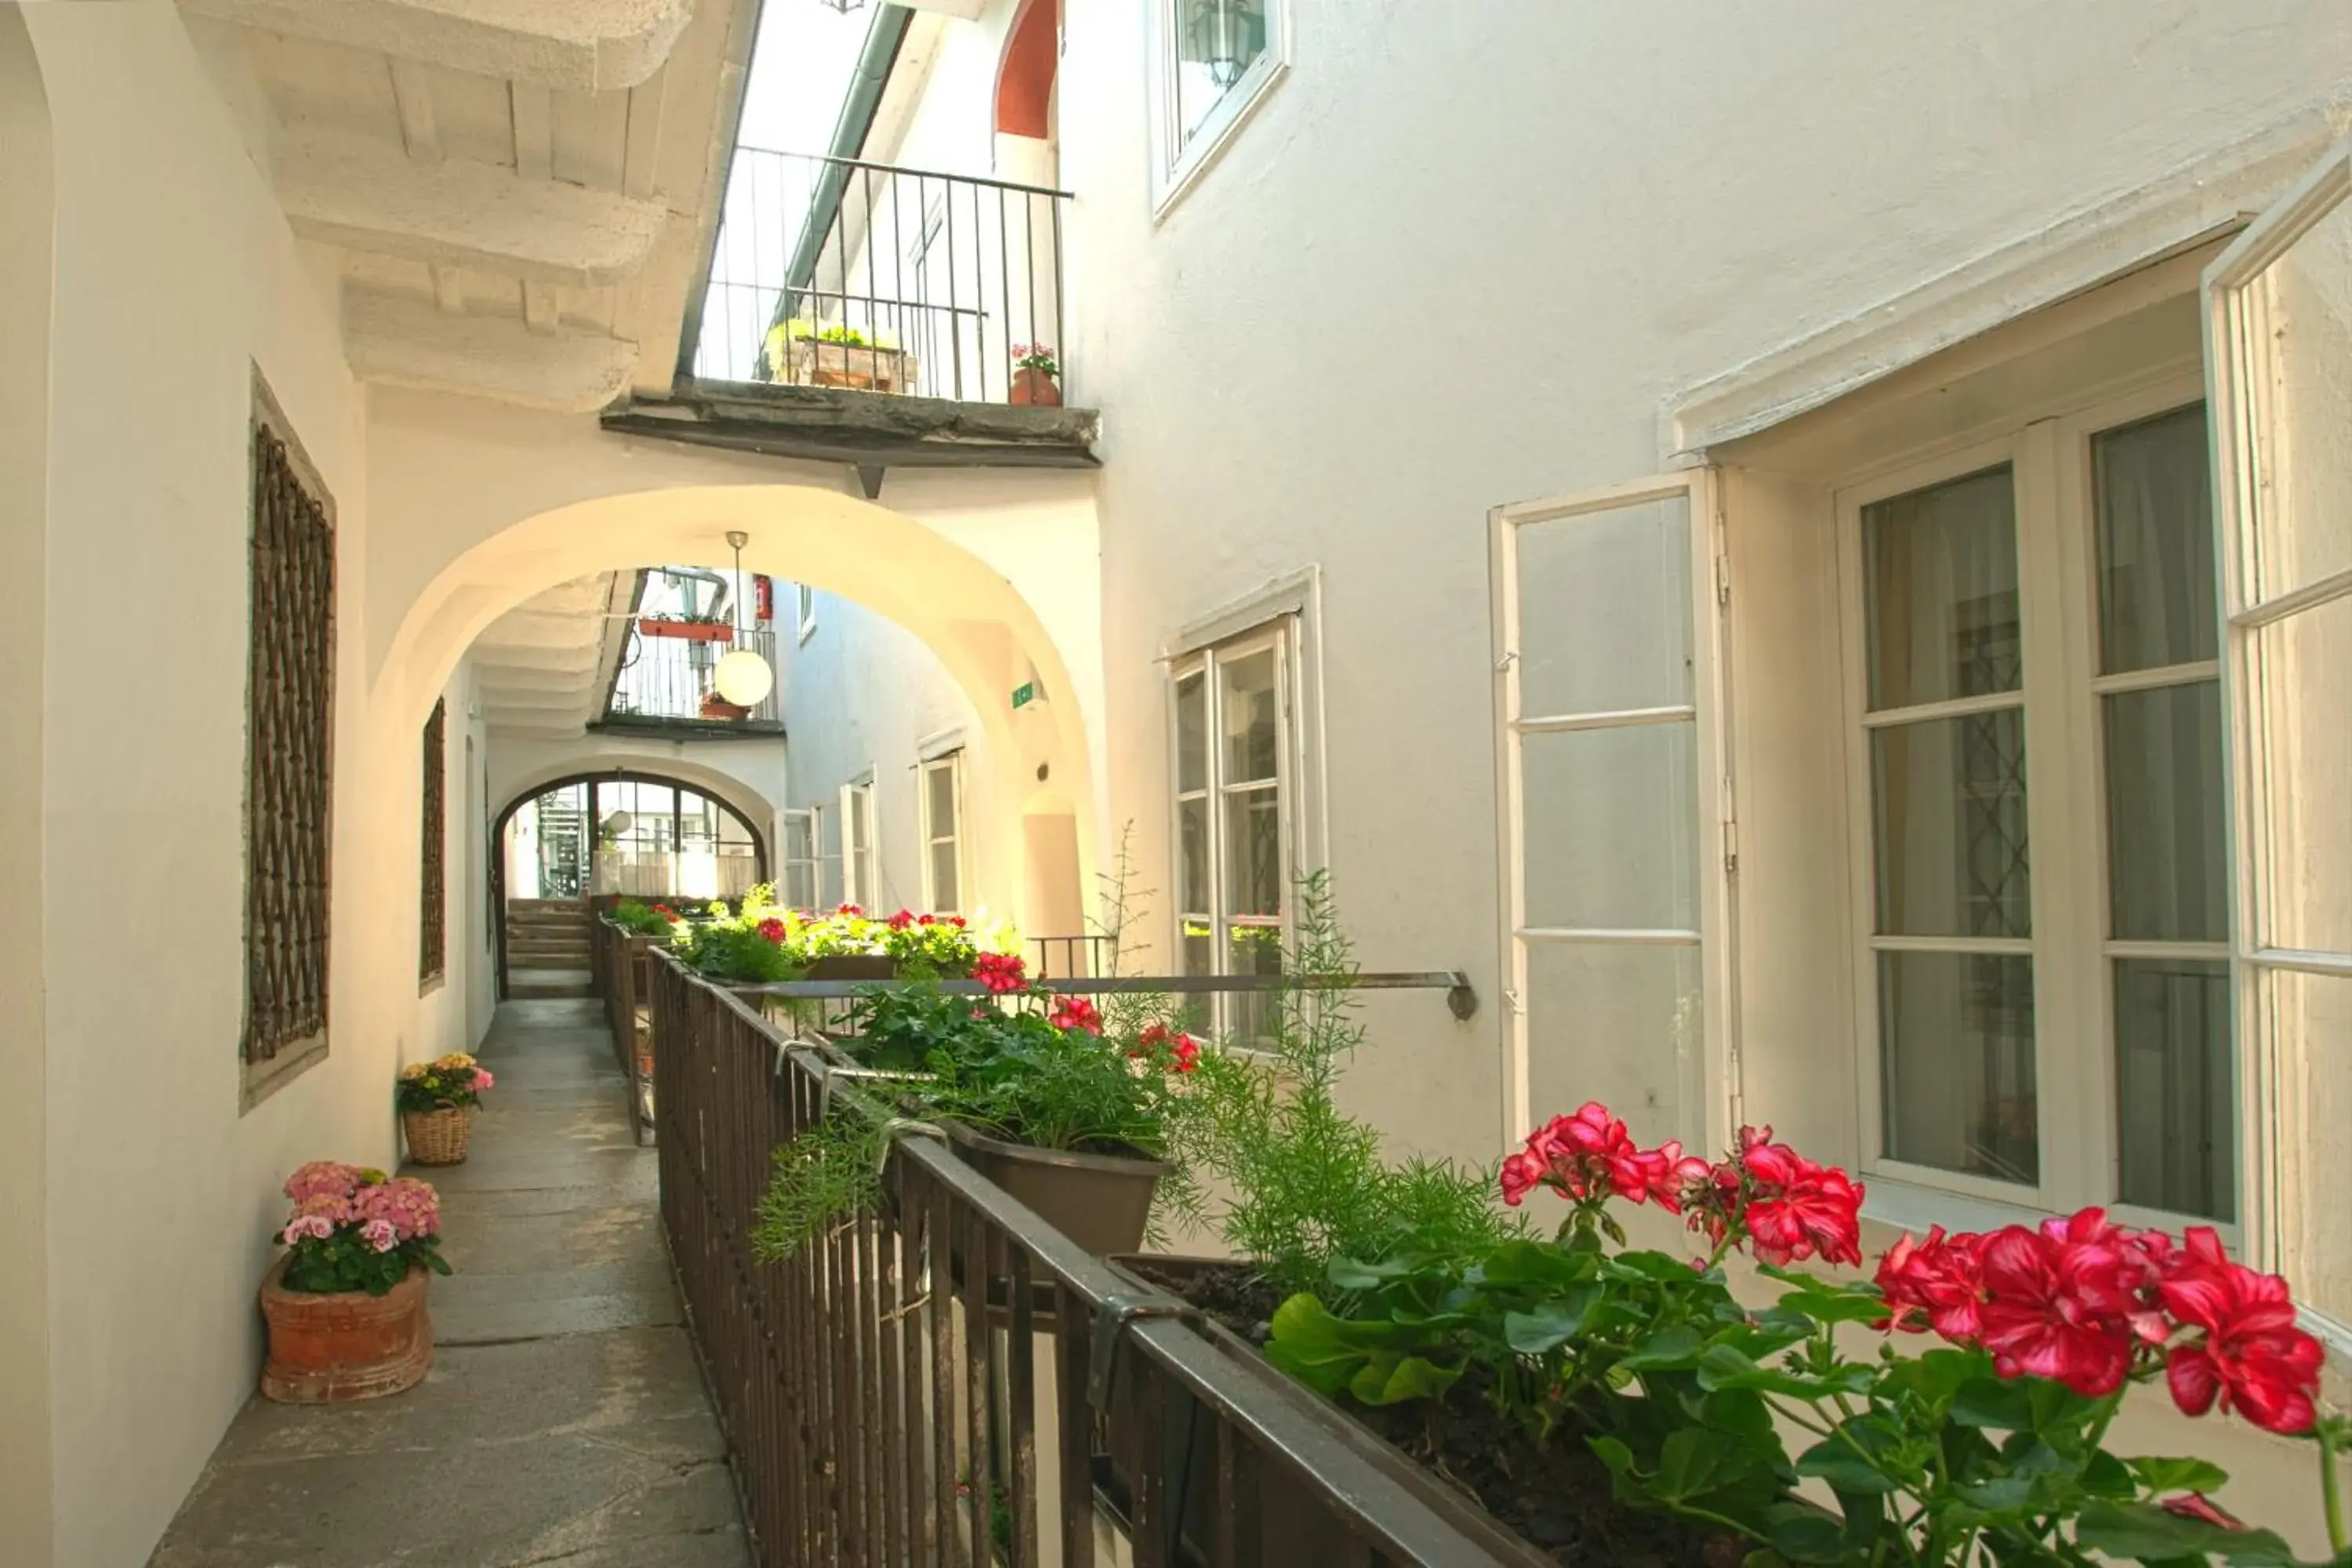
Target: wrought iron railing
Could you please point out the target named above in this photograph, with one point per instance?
(842, 273)
(949, 1381)
(664, 675)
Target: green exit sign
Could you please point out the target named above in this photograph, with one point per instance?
(1024, 694)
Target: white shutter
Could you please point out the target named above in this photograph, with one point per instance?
(1616, 841)
(2279, 363)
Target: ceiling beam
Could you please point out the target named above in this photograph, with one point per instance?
(409, 342)
(583, 45)
(367, 195)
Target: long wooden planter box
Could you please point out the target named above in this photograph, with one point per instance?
(686, 631)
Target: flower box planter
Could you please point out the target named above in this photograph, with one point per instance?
(859, 367)
(686, 631)
(1102, 1202)
(437, 1137)
(326, 1349)
(1452, 1502)
(714, 706)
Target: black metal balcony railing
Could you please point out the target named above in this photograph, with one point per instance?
(672, 677)
(836, 272)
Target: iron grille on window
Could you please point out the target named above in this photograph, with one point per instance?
(289, 755)
(433, 940)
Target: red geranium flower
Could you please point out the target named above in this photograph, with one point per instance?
(2249, 1352)
(1000, 971)
(1076, 1013)
(2062, 1302)
(772, 930)
(1934, 1284)
(1785, 1206)
(1182, 1050)
(902, 919)
(1589, 1155)
(851, 909)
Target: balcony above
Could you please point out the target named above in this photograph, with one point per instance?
(667, 680)
(863, 313)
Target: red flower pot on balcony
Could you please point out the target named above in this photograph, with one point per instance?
(325, 1349)
(1036, 387)
(686, 631)
(717, 707)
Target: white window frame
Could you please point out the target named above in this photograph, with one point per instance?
(860, 870)
(2272, 1187)
(1285, 616)
(809, 821)
(2050, 456)
(1709, 1089)
(804, 608)
(1178, 161)
(930, 838)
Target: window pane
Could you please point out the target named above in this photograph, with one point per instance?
(945, 894)
(2157, 604)
(1191, 732)
(2314, 1010)
(1251, 719)
(1604, 610)
(1216, 43)
(1612, 821)
(2167, 869)
(1619, 1024)
(1956, 1051)
(1254, 950)
(1253, 875)
(1192, 829)
(2303, 675)
(942, 783)
(1939, 575)
(2302, 487)
(1948, 796)
(2175, 1086)
(1199, 957)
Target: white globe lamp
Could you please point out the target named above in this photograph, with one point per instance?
(743, 677)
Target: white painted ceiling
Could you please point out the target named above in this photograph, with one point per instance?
(517, 193)
(541, 668)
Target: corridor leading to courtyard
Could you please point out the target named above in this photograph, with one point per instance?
(563, 1422)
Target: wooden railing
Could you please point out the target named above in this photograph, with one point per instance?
(948, 1381)
(622, 969)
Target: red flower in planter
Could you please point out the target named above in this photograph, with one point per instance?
(904, 919)
(2061, 1302)
(1934, 1284)
(2250, 1353)
(772, 930)
(1785, 1206)
(1180, 1051)
(850, 910)
(1078, 1013)
(1589, 1155)
(2198, 1506)
(1000, 972)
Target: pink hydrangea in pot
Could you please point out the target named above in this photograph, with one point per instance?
(345, 1303)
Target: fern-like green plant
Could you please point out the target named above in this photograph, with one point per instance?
(829, 1174)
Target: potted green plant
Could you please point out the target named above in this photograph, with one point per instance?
(687, 628)
(437, 1101)
(1036, 376)
(344, 1304)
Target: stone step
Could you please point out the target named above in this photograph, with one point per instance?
(548, 983)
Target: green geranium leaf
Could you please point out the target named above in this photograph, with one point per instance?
(2178, 1475)
(1675, 1346)
(1307, 1344)
(2002, 1404)
(1833, 1460)
(1721, 1366)
(1387, 1380)
(2142, 1532)
(1803, 1534)
(1693, 1461)
(1515, 1264)
(1551, 1325)
(1854, 1306)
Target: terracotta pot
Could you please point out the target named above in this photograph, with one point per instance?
(1036, 387)
(687, 631)
(1102, 1202)
(437, 1137)
(326, 1349)
(717, 707)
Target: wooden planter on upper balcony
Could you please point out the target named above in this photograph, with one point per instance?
(686, 631)
(859, 367)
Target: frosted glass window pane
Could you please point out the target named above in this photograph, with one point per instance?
(1619, 1024)
(1955, 1054)
(1949, 803)
(2302, 449)
(2154, 499)
(2167, 871)
(1252, 720)
(1191, 732)
(945, 893)
(2314, 1015)
(1605, 610)
(1216, 43)
(942, 783)
(1610, 818)
(1939, 575)
(2306, 676)
(2176, 1087)
(1193, 828)
(1254, 876)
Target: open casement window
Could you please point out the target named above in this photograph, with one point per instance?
(1236, 770)
(1616, 838)
(860, 862)
(941, 809)
(2279, 362)
(802, 858)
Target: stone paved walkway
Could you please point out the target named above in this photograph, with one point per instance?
(563, 1421)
